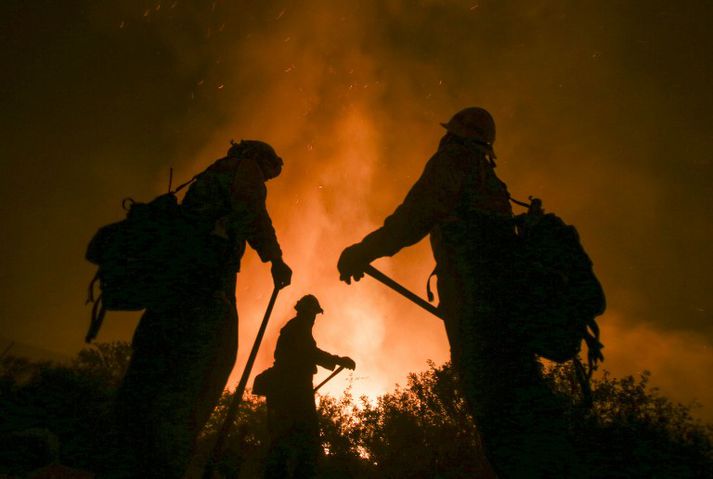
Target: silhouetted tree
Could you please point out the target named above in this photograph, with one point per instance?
(53, 412)
(633, 431)
(59, 412)
(247, 445)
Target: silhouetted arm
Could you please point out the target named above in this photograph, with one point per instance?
(431, 199)
(325, 359)
(248, 196)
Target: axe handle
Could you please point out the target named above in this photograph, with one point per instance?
(379, 276)
(338, 370)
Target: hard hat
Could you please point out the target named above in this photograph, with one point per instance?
(308, 304)
(256, 149)
(472, 122)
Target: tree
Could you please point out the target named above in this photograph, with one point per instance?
(59, 412)
(62, 413)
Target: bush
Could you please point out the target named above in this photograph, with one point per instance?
(62, 413)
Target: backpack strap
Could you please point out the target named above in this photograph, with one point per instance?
(594, 346)
(429, 292)
(584, 378)
(90, 293)
(518, 202)
(98, 313)
(183, 185)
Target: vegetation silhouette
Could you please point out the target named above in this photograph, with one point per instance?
(61, 413)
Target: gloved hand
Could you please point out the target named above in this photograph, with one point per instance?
(281, 273)
(347, 362)
(352, 263)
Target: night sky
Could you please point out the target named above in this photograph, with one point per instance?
(604, 110)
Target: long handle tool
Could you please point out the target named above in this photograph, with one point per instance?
(219, 448)
(337, 371)
(379, 276)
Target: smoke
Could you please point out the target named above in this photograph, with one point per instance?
(603, 111)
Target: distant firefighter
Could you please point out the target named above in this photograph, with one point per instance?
(461, 203)
(184, 352)
(292, 418)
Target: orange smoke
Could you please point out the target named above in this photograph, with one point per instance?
(601, 111)
(355, 120)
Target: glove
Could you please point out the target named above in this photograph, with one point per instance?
(347, 362)
(352, 263)
(281, 274)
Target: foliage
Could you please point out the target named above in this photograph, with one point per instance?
(633, 430)
(247, 444)
(59, 412)
(421, 430)
(55, 412)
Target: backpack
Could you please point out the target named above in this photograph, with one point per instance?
(561, 296)
(147, 259)
(264, 383)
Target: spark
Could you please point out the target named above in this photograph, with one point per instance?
(474, 7)
(221, 86)
(122, 24)
(281, 14)
(289, 68)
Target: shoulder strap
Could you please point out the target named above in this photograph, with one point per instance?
(98, 313)
(183, 185)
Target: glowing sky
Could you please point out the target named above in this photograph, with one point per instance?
(603, 110)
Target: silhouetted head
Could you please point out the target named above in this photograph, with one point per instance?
(308, 306)
(473, 123)
(261, 152)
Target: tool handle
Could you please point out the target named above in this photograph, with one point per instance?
(379, 276)
(337, 371)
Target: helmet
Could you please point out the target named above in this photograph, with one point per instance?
(256, 149)
(472, 122)
(308, 304)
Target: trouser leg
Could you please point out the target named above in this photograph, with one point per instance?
(520, 420)
(177, 373)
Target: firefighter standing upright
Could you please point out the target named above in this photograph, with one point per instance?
(292, 417)
(465, 208)
(183, 353)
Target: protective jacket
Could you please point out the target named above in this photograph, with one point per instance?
(228, 201)
(297, 352)
(458, 180)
